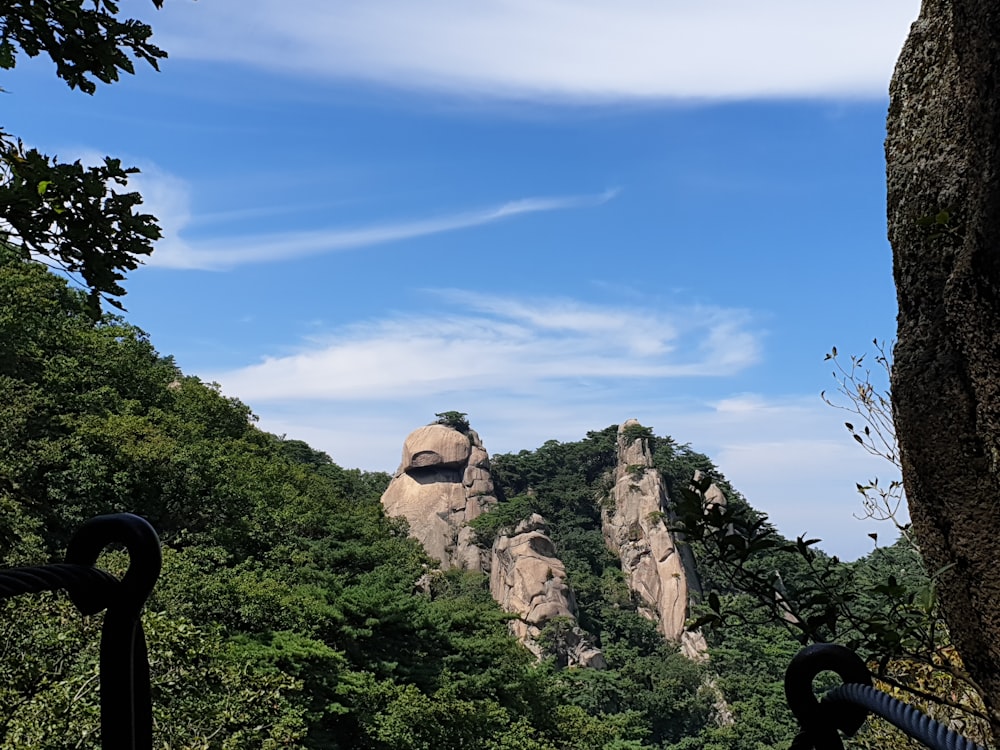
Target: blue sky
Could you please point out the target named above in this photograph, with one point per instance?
(551, 215)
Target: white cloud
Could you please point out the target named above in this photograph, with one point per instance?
(574, 50)
(491, 343)
(168, 198)
(527, 371)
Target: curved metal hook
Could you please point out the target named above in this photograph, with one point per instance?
(145, 558)
(126, 707)
(816, 719)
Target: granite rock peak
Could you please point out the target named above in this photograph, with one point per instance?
(443, 482)
(659, 570)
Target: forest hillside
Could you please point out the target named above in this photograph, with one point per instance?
(294, 611)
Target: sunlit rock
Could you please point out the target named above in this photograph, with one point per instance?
(528, 579)
(442, 483)
(636, 526)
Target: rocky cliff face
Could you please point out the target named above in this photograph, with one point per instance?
(528, 578)
(657, 569)
(443, 482)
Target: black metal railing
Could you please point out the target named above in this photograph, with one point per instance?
(845, 708)
(126, 710)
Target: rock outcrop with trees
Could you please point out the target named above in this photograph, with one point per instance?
(442, 484)
(637, 517)
(528, 579)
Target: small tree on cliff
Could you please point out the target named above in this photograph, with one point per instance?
(943, 180)
(457, 420)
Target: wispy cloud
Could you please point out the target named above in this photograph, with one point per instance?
(576, 50)
(481, 343)
(530, 370)
(168, 198)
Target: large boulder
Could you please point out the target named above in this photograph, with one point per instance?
(714, 497)
(443, 482)
(435, 445)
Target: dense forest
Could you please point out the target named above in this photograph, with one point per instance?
(287, 613)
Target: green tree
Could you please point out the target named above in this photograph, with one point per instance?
(78, 219)
(456, 419)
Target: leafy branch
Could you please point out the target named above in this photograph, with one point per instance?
(76, 217)
(865, 394)
(73, 218)
(891, 624)
(86, 44)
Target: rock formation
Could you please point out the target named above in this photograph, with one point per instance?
(528, 579)
(443, 483)
(659, 570)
